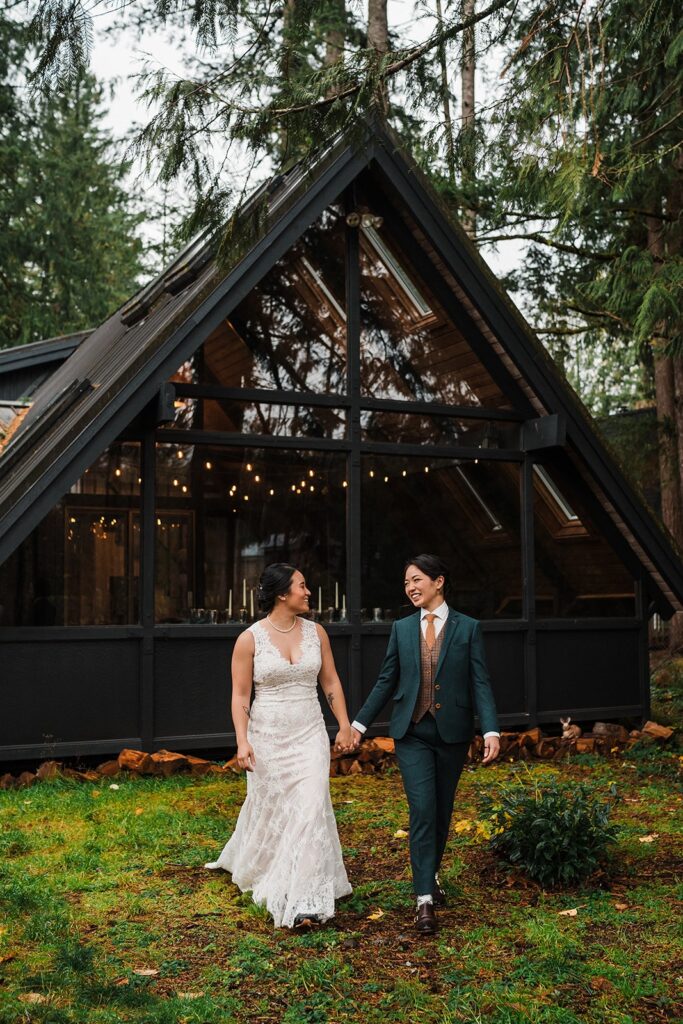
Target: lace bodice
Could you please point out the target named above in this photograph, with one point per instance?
(273, 671)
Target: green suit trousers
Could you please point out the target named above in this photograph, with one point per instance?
(430, 769)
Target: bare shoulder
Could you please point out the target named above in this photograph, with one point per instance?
(322, 635)
(244, 644)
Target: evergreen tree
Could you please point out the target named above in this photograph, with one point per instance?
(69, 247)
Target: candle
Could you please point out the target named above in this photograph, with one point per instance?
(244, 593)
(230, 603)
(251, 602)
(343, 606)
(320, 600)
(336, 594)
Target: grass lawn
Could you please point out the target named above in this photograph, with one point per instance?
(108, 915)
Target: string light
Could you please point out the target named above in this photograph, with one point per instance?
(249, 467)
(175, 483)
(208, 465)
(344, 483)
(179, 454)
(184, 489)
(117, 471)
(257, 478)
(271, 492)
(311, 473)
(386, 479)
(372, 472)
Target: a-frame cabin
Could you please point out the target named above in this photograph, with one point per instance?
(350, 388)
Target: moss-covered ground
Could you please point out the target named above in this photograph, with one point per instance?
(109, 916)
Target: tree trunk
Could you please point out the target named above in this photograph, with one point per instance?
(334, 36)
(448, 120)
(468, 136)
(666, 374)
(378, 39)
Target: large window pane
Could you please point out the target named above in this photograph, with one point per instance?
(410, 347)
(223, 514)
(413, 428)
(290, 331)
(80, 566)
(466, 511)
(577, 572)
(258, 418)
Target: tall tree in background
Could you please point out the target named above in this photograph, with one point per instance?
(586, 165)
(469, 218)
(68, 240)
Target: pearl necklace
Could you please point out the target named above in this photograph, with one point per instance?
(289, 628)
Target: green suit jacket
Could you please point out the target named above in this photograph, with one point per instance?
(461, 675)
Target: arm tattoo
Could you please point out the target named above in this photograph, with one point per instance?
(330, 698)
(246, 711)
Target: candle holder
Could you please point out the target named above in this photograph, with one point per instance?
(330, 614)
(314, 614)
(377, 615)
(244, 615)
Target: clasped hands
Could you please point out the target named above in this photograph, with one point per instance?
(347, 740)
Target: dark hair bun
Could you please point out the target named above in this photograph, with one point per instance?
(276, 579)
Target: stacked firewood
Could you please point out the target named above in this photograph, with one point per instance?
(372, 756)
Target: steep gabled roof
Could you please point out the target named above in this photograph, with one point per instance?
(119, 368)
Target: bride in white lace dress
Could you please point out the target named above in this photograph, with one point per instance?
(285, 846)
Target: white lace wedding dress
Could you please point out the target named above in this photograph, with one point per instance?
(285, 846)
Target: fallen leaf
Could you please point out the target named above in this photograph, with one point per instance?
(95, 792)
(32, 997)
(600, 984)
(113, 786)
(648, 839)
(620, 906)
(146, 972)
(190, 995)
(375, 916)
(6, 957)
(568, 913)
(139, 810)
(349, 801)
(121, 981)
(400, 833)
(464, 825)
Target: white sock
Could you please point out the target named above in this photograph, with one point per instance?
(427, 898)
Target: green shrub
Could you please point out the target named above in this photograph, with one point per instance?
(556, 831)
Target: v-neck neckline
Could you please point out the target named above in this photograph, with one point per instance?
(279, 652)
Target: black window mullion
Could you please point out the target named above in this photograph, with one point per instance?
(353, 476)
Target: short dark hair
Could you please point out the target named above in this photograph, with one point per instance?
(432, 566)
(275, 579)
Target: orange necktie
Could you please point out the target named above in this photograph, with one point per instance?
(430, 632)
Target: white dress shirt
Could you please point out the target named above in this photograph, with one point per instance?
(439, 622)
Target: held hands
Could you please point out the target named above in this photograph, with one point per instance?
(346, 740)
(246, 757)
(491, 749)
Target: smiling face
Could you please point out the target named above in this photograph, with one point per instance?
(296, 598)
(422, 590)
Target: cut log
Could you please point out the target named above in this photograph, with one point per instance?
(198, 765)
(656, 731)
(135, 761)
(168, 762)
(48, 770)
(386, 744)
(584, 744)
(7, 781)
(108, 768)
(27, 779)
(617, 733)
(547, 746)
(530, 737)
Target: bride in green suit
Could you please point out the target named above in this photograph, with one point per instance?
(434, 671)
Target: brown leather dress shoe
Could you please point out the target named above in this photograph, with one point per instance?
(425, 919)
(439, 896)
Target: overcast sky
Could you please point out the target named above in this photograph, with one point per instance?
(116, 62)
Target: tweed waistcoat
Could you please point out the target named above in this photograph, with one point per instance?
(426, 700)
